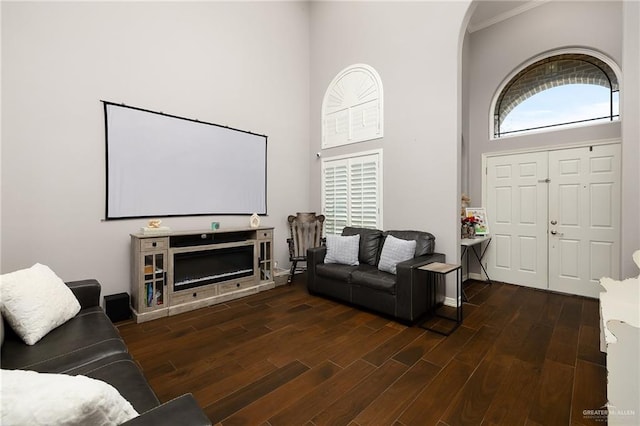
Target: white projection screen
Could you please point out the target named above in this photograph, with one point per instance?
(161, 165)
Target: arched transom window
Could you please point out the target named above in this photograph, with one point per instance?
(560, 90)
(352, 107)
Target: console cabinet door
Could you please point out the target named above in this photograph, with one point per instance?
(153, 282)
(265, 255)
(149, 277)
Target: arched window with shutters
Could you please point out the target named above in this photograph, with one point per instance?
(560, 90)
(352, 107)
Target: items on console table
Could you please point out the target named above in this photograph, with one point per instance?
(154, 228)
(180, 271)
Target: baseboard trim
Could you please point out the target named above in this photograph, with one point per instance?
(450, 301)
(477, 277)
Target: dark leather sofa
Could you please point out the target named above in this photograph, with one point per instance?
(403, 296)
(89, 344)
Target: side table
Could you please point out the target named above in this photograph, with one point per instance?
(437, 271)
(467, 243)
(472, 243)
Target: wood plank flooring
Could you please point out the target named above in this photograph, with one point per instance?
(284, 357)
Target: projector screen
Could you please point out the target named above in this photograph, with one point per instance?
(162, 165)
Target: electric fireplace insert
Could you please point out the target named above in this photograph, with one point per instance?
(198, 268)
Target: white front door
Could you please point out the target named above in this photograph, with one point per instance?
(584, 218)
(554, 218)
(516, 201)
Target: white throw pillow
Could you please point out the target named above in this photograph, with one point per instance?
(34, 301)
(394, 251)
(342, 249)
(31, 398)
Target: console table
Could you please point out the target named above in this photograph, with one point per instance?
(473, 243)
(177, 272)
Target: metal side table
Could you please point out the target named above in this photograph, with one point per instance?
(472, 243)
(436, 272)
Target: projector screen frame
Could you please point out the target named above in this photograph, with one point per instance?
(110, 216)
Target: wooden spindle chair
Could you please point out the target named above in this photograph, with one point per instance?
(305, 233)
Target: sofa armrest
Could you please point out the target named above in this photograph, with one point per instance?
(86, 291)
(417, 262)
(183, 410)
(411, 286)
(315, 256)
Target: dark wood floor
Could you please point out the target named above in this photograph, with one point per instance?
(284, 357)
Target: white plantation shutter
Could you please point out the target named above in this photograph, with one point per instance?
(351, 192)
(336, 181)
(364, 192)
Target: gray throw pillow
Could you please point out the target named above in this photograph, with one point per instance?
(394, 251)
(343, 250)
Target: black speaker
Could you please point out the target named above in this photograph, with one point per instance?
(117, 307)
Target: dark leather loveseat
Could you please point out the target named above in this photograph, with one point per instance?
(403, 296)
(88, 344)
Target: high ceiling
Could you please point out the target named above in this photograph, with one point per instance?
(489, 12)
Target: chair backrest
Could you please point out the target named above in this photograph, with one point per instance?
(306, 232)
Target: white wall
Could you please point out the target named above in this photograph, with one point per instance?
(496, 51)
(415, 48)
(466, 83)
(630, 136)
(264, 67)
(243, 64)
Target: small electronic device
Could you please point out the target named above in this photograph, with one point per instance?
(117, 307)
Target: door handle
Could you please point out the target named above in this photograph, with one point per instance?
(554, 232)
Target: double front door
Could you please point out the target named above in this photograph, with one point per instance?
(555, 218)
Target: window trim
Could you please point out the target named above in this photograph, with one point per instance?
(380, 180)
(572, 50)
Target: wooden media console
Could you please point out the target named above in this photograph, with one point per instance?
(181, 271)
